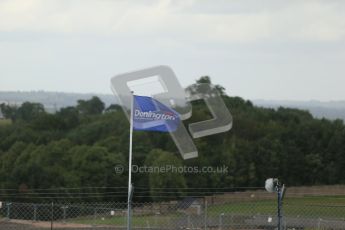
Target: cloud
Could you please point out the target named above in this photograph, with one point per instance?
(193, 21)
(310, 21)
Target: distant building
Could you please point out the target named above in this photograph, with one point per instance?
(1, 116)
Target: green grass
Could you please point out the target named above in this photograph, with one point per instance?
(5, 122)
(139, 221)
(332, 207)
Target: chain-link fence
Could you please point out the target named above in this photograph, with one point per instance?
(242, 210)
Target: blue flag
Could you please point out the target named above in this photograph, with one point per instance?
(151, 115)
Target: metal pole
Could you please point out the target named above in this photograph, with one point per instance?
(52, 216)
(64, 208)
(94, 217)
(279, 208)
(35, 212)
(129, 200)
(220, 227)
(8, 210)
(205, 214)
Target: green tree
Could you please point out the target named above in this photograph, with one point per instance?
(198, 86)
(44, 166)
(69, 117)
(93, 106)
(113, 108)
(9, 112)
(28, 111)
(171, 181)
(94, 166)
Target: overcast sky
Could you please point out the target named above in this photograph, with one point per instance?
(275, 49)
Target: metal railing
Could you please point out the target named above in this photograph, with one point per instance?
(231, 211)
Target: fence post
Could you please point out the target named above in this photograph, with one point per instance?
(156, 219)
(35, 212)
(205, 213)
(221, 221)
(8, 210)
(52, 216)
(279, 193)
(94, 216)
(319, 223)
(64, 209)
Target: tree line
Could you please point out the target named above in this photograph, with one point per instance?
(79, 146)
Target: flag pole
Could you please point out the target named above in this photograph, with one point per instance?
(130, 187)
